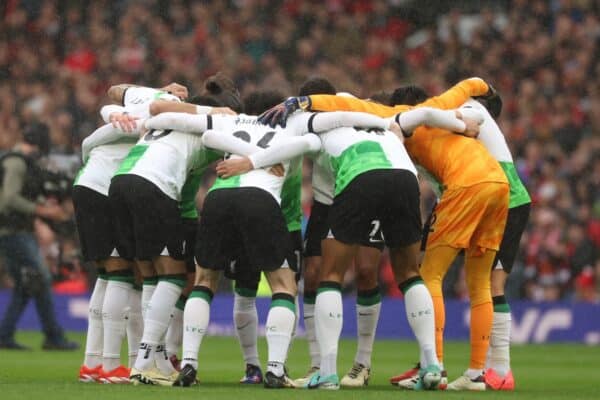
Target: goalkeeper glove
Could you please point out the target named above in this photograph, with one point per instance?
(279, 114)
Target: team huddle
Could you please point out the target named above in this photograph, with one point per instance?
(159, 262)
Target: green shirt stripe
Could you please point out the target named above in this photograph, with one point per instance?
(357, 159)
(518, 192)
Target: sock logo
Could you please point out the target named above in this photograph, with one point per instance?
(335, 315)
(194, 329)
(147, 349)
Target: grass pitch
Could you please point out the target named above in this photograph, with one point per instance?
(545, 372)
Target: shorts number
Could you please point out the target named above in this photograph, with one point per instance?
(376, 235)
(154, 134)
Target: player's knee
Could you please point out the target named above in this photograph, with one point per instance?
(366, 276)
(479, 290)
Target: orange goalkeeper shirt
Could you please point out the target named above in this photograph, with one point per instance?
(453, 160)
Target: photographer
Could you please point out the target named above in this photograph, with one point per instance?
(21, 185)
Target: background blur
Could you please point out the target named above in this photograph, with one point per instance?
(58, 58)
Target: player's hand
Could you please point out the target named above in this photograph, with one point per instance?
(279, 114)
(222, 110)
(124, 121)
(277, 170)
(492, 101)
(397, 130)
(234, 166)
(471, 125)
(176, 90)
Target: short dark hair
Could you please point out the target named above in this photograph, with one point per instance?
(205, 100)
(410, 95)
(382, 97)
(223, 89)
(316, 85)
(260, 101)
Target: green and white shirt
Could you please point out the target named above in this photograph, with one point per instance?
(355, 151)
(104, 160)
(494, 141)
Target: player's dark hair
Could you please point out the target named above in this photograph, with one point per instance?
(316, 85)
(410, 95)
(260, 101)
(382, 98)
(204, 100)
(223, 89)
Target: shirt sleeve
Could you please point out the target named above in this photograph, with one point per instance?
(323, 122)
(323, 102)
(15, 170)
(458, 94)
(191, 123)
(139, 95)
(107, 110)
(219, 140)
(410, 120)
(104, 135)
(285, 149)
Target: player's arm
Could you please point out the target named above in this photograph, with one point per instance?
(326, 121)
(459, 94)
(117, 93)
(118, 117)
(276, 153)
(466, 123)
(191, 123)
(163, 106)
(279, 114)
(104, 135)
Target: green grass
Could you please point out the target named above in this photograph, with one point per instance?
(545, 372)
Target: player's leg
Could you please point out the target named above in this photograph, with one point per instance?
(368, 307)
(245, 320)
(196, 317)
(174, 336)
(135, 321)
(492, 200)
(92, 362)
(401, 225)
(316, 231)
(498, 374)
(281, 321)
(114, 313)
(478, 271)
(337, 256)
(217, 244)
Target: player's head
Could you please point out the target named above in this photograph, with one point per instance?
(205, 100)
(260, 101)
(410, 95)
(223, 89)
(382, 97)
(316, 85)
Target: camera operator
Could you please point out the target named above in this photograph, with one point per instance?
(21, 185)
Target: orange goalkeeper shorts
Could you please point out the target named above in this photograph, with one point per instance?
(470, 217)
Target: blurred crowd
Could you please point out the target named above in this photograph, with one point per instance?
(57, 59)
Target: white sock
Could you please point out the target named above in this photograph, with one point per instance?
(174, 335)
(114, 312)
(419, 312)
(161, 359)
(95, 337)
(499, 354)
(366, 321)
(135, 324)
(328, 327)
(279, 327)
(195, 323)
(473, 373)
(245, 319)
(148, 289)
(311, 337)
(156, 320)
